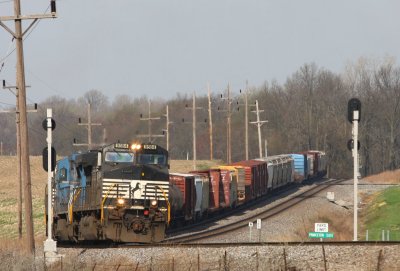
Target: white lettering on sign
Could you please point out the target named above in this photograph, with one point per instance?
(121, 146)
(251, 224)
(321, 227)
(150, 147)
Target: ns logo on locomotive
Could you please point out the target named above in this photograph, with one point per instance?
(118, 192)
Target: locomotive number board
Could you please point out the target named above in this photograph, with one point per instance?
(121, 146)
(149, 147)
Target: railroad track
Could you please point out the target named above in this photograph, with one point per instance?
(255, 244)
(196, 236)
(227, 245)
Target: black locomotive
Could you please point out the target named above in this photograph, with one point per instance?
(118, 192)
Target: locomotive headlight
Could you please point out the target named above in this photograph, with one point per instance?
(135, 147)
(120, 202)
(153, 203)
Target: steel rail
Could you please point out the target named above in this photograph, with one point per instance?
(227, 245)
(287, 204)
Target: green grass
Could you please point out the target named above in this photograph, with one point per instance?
(8, 202)
(9, 218)
(384, 214)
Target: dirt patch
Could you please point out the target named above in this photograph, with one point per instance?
(388, 177)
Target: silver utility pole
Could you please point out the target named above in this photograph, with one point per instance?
(259, 123)
(25, 164)
(355, 159)
(50, 246)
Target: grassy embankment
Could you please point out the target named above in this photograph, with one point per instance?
(383, 213)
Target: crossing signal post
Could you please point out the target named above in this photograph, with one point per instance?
(354, 116)
(50, 246)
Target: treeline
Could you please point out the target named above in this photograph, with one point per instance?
(308, 111)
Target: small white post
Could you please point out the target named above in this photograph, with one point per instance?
(387, 235)
(250, 227)
(366, 236)
(383, 235)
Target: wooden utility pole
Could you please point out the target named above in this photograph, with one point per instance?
(259, 123)
(149, 119)
(89, 125)
(18, 152)
(194, 108)
(210, 122)
(246, 121)
(228, 127)
(167, 123)
(23, 124)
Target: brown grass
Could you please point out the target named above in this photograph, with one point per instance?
(341, 225)
(387, 177)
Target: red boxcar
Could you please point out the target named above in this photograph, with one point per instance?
(229, 186)
(215, 190)
(259, 177)
(185, 184)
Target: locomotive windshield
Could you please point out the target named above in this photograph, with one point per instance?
(151, 159)
(119, 157)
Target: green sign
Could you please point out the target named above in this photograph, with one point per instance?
(320, 235)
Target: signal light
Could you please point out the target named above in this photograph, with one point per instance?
(146, 212)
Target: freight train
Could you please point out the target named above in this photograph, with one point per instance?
(125, 193)
(118, 192)
(201, 193)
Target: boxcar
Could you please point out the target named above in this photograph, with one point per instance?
(186, 185)
(202, 184)
(300, 167)
(229, 176)
(259, 177)
(238, 177)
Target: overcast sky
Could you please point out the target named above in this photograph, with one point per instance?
(160, 47)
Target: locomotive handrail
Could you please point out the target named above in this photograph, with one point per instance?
(168, 204)
(103, 201)
(71, 203)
